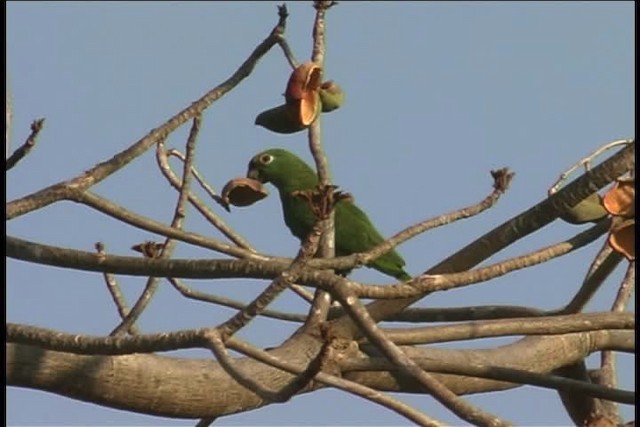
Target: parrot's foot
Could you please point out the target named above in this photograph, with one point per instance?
(323, 199)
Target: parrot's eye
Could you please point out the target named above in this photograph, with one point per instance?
(265, 159)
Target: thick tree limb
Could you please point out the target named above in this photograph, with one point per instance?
(188, 388)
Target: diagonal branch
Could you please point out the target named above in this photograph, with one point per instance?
(519, 376)
(426, 284)
(431, 223)
(514, 229)
(406, 365)
(549, 325)
(212, 217)
(126, 216)
(116, 293)
(443, 282)
(601, 267)
(191, 293)
(284, 280)
(25, 148)
(339, 383)
(60, 191)
(169, 244)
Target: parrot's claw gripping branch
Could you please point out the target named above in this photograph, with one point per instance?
(323, 199)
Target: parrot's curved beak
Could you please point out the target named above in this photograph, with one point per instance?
(253, 173)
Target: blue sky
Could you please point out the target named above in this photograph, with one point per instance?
(438, 94)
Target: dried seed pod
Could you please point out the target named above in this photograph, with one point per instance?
(243, 191)
(622, 237)
(590, 209)
(620, 200)
(305, 78)
(331, 96)
(302, 93)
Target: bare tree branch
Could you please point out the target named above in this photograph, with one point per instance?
(607, 372)
(178, 218)
(504, 327)
(431, 223)
(348, 386)
(516, 228)
(517, 376)
(60, 191)
(322, 300)
(122, 214)
(602, 266)
(25, 148)
(439, 391)
(209, 215)
(285, 279)
(116, 293)
(190, 293)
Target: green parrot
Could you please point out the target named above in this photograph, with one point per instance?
(354, 232)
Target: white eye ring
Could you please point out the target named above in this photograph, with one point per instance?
(265, 159)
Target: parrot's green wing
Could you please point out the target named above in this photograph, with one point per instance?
(355, 233)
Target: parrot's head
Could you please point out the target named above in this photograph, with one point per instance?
(281, 168)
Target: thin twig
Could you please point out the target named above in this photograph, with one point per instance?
(116, 293)
(277, 286)
(121, 213)
(173, 152)
(626, 288)
(442, 282)
(454, 280)
(586, 162)
(200, 206)
(49, 339)
(25, 148)
(302, 293)
(60, 191)
(601, 267)
(206, 268)
(444, 219)
(177, 221)
(608, 376)
(287, 52)
(191, 293)
(350, 261)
